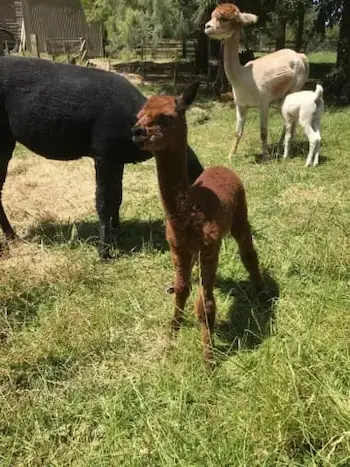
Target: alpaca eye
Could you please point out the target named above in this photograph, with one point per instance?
(225, 20)
(164, 120)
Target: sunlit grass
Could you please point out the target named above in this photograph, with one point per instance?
(88, 373)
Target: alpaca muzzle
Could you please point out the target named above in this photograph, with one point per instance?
(139, 136)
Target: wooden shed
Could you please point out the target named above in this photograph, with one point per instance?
(52, 22)
(11, 17)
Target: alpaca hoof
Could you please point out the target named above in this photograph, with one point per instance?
(12, 237)
(115, 223)
(4, 248)
(231, 156)
(258, 285)
(209, 359)
(170, 289)
(104, 254)
(174, 328)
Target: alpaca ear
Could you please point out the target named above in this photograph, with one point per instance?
(188, 96)
(247, 18)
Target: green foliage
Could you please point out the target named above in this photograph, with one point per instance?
(132, 23)
(129, 22)
(329, 14)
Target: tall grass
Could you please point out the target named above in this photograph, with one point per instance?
(88, 373)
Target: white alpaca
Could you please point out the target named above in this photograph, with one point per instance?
(258, 82)
(305, 107)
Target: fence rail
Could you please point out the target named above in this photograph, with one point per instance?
(167, 48)
(57, 46)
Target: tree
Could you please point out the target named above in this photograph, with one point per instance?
(337, 83)
(130, 22)
(292, 12)
(343, 53)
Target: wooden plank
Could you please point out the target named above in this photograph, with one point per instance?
(34, 45)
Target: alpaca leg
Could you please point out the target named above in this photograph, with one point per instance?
(116, 194)
(4, 222)
(287, 138)
(317, 152)
(241, 232)
(294, 129)
(205, 304)
(313, 142)
(318, 147)
(282, 137)
(104, 183)
(183, 267)
(241, 117)
(264, 113)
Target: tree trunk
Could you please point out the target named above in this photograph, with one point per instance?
(184, 48)
(337, 83)
(300, 29)
(343, 55)
(281, 32)
(202, 53)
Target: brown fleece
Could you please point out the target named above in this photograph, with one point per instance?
(198, 216)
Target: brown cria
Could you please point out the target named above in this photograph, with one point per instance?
(198, 216)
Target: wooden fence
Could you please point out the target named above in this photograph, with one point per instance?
(176, 49)
(166, 48)
(58, 46)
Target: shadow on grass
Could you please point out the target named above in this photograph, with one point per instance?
(44, 372)
(250, 317)
(133, 235)
(298, 148)
(318, 71)
(21, 309)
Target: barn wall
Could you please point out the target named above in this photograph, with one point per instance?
(11, 16)
(58, 19)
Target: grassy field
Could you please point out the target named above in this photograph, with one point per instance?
(88, 373)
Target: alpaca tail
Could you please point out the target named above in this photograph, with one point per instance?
(306, 64)
(318, 93)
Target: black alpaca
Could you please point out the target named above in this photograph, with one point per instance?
(64, 112)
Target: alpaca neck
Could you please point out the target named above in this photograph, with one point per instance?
(235, 72)
(173, 181)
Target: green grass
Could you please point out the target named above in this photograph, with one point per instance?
(88, 373)
(322, 57)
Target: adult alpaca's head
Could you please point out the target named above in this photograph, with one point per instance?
(226, 21)
(161, 123)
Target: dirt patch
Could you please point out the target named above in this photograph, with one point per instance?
(38, 189)
(134, 78)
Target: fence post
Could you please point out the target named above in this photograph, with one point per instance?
(34, 45)
(83, 50)
(184, 48)
(141, 47)
(175, 75)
